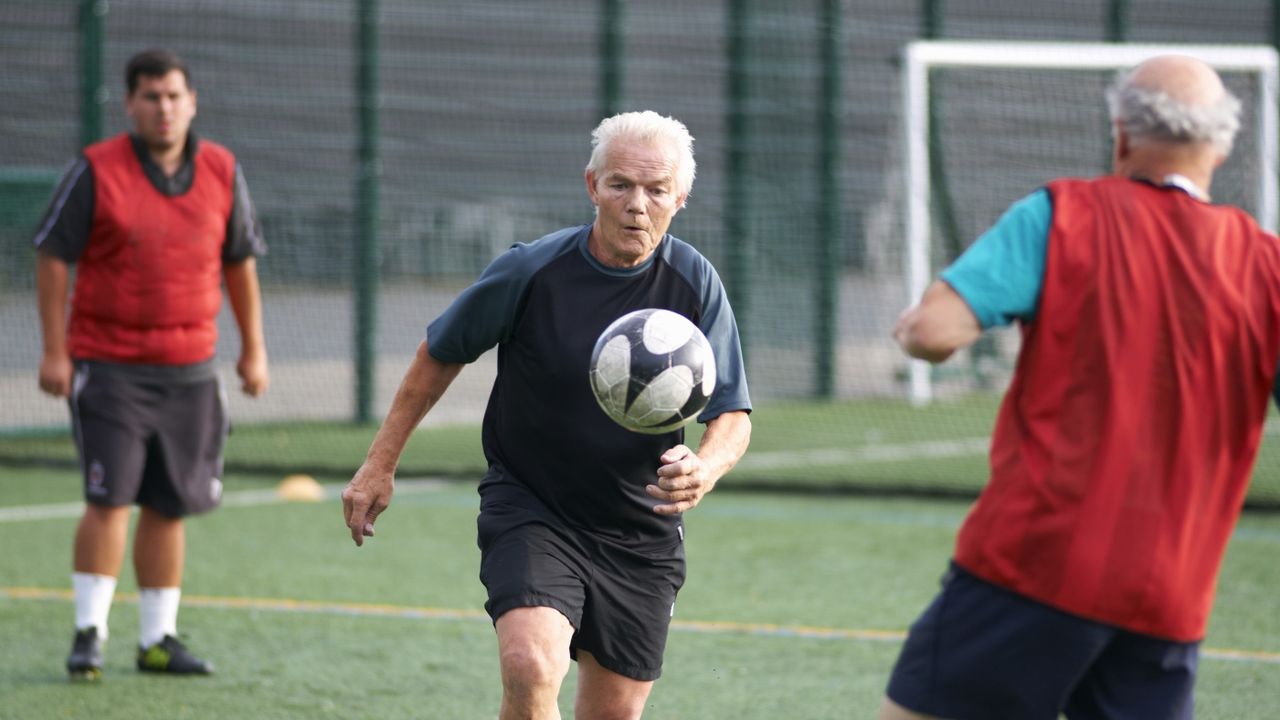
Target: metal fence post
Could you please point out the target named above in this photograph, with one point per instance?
(93, 94)
(736, 181)
(611, 54)
(1118, 21)
(829, 156)
(366, 208)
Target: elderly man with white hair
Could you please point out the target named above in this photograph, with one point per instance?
(580, 529)
(1083, 576)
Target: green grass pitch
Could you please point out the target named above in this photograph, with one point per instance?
(793, 608)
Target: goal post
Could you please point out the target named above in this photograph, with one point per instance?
(1258, 121)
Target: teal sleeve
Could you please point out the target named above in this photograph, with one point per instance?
(1000, 275)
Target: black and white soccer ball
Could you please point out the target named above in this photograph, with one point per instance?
(652, 371)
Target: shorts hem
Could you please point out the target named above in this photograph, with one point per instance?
(642, 674)
(498, 608)
(169, 512)
(913, 704)
(107, 502)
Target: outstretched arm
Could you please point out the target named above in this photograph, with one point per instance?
(938, 325)
(246, 305)
(369, 492)
(686, 476)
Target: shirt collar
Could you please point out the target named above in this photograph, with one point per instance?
(1185, 184)
(1179, 182)
(169, 185)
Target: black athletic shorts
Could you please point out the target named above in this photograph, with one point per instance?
(619, 601)
(980, 651)
(151, 436)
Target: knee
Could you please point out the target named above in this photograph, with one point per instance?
(530, 669)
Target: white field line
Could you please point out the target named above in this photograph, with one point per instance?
(314, 607)
(247, 498)
(932, 449)
(768, 460)
(240, 498)
(963, 447)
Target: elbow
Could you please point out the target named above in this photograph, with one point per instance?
(743, 437)
(924, 340)
(941, 324)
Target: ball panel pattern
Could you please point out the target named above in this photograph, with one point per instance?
(652, 371)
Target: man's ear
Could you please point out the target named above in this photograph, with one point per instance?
(1122, 148)
(590, 178)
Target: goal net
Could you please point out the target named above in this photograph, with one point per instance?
(985, 123)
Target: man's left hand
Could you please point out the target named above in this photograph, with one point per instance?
(252, 370)
(683, 480)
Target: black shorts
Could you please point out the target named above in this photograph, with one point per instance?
(619, 602)
(980, 651)
(155, 440)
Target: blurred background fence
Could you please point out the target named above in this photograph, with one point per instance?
(394, 147)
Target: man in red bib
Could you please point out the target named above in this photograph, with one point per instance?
(1083, 576)
(155, 221)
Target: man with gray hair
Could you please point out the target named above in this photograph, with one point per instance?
(1083, 577)
(580, 529)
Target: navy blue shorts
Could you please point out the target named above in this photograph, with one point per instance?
(980, 651)
(619, 602)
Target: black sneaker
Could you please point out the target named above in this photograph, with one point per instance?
(171, 656)
(85, 660)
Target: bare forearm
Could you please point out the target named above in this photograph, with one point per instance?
(724, 442)
(51, 296)
(246, 303)
(422, 387)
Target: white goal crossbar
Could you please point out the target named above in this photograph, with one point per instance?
(922, 55)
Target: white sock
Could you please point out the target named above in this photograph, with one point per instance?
(93, 595)
(157, 614)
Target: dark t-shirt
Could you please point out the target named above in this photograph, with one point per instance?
(554, 455)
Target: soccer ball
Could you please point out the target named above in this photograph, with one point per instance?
(652, 371)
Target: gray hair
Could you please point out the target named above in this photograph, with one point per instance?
(1147, 114)
(648, 126)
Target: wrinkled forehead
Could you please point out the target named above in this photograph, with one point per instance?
(641, 159)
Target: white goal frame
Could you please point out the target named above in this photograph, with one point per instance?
(920, 56)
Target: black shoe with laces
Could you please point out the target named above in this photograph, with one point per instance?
(85, 660)
(171, 656)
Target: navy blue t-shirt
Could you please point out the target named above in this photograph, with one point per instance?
(554, 455)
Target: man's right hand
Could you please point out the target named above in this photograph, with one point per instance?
(364, 499)
(55, 374)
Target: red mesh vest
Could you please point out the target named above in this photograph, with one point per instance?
(149, 283)
(1123, 448)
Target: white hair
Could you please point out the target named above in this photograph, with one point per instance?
(1147, 114)
(651, 127)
